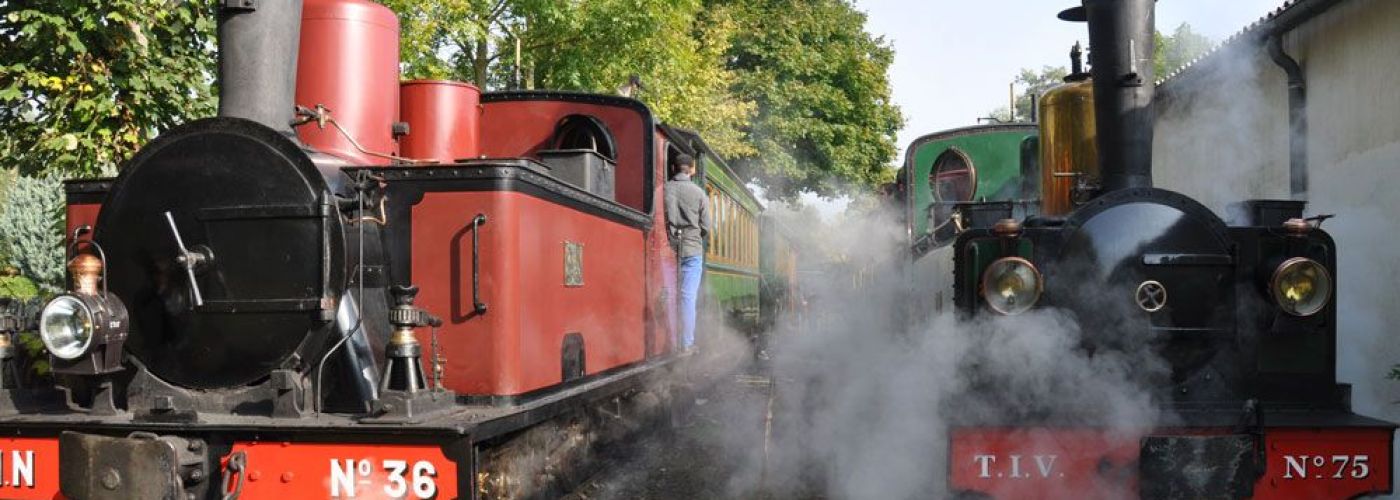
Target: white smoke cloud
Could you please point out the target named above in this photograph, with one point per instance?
(865, 400)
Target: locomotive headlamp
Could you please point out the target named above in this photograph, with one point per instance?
(1011, 285)
(66, 327)
(1301, 286)
(84, 329)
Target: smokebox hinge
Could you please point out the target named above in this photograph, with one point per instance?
(240, 5)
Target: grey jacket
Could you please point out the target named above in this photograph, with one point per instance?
(687, 215)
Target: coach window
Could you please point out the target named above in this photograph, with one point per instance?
(711, 249)
(951, 179)
(702, 171)
(726, 239)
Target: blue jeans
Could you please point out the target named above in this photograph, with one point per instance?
(691, 269)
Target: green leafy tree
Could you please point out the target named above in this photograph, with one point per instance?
(7, 181)
(1031, 83)
(792, 89)
(83, 84)
(1177, 50)
(18, 287)
(31, 229)
(674, 48)
(1173, 52)
(825, 122)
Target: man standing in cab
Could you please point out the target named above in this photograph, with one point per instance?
(688, 219)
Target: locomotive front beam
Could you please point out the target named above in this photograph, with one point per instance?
(490, 449)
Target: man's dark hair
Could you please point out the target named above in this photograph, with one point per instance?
(684, 160)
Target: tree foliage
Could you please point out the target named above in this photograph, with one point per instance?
(1172, 53)
(673, 47)
(1031, 83)
(1177, 50)
(825, 117)
(31, 230)
(18, 287)
(791, 89)
(7, 182)
(83, 84)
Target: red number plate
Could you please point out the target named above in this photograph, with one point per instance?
(1061, 463)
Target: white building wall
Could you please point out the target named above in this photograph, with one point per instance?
(1222, 135)
(1352, 58)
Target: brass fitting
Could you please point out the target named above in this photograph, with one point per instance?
(403, 336)
(1007, 228)
(1297, 227)
(86, 270)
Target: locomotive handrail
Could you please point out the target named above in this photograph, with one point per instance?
(322, 115)
(477, 305)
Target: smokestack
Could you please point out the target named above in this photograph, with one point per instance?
(258, 45)
(1121, 36)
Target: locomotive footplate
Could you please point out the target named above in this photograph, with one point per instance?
(141, 465)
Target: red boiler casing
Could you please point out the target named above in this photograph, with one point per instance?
(349, 63)
(444, 120)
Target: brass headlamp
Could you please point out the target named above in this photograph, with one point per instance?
(1301, 286)
(1011, 285)
(84, 329)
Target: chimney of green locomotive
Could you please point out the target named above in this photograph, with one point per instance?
(1122, 46)
(258, 45)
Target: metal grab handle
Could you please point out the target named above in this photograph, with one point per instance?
(237, 466)
(477, 304)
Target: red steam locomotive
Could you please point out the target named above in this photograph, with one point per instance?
(347, 286)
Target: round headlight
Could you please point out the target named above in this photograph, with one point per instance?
(1301, 286)
(1011, 285)
(66, 327)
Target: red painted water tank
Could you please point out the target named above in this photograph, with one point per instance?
(443, 120)
(349, 63)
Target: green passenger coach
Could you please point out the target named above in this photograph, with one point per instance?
(732, 260)
(732, 279)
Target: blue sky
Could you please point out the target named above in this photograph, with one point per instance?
(955, 58)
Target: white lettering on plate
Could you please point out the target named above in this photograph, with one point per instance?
(988, 467)
(1326, 466)
(20, 465)
(351, 477)
(22, 468)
